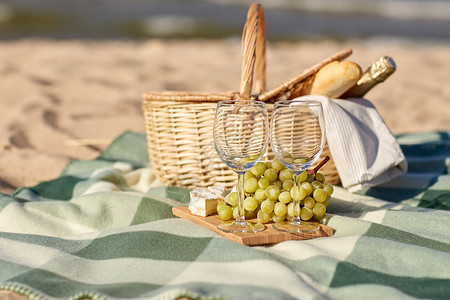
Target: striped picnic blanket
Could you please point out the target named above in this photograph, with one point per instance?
(104, 230)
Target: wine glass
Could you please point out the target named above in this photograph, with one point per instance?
(297, 136)
(241, 136)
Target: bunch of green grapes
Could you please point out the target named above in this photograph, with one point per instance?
(269, 193)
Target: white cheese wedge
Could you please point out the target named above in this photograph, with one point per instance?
(204, 202)
(217, 189)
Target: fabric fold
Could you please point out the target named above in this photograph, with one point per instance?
(364, 150)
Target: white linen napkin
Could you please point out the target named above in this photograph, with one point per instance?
(364, 150)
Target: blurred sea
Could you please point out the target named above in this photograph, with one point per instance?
(417, 20)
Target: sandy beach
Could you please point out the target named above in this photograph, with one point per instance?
(66, 100)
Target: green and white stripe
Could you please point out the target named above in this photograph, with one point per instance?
(104, 230)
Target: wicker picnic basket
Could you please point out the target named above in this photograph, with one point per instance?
(179, 125)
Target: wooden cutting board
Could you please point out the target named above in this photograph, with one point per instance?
(267, 236)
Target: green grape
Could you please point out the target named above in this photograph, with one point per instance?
(258, 169)
(316, 184)
(225, 212)
(280, 209)
(309, 178)
(272, 192)
(303, 176)
(320, 195)
(245, 160)
(232, 198)
(307, 187)
(267, 206)
(285, 197)
(300, 161)
(260, 195)
(327, 201)
(319, 210)
(263, 182)
(320, 177)
(254, 156)
(285, 174)
(286, 154)
(221, 204)
(263, 217)
(277, 219)
(271, 174)
(288, 185)
(297, 193)
(235, 212)
(250, 185)
(289, 160)
(276, 165)
(268, 164)
(290, 209)
(250, 203)
(249, 214)
(309, 202)
(278, 183)
(328, 188)
(248, 175)
(306, 213)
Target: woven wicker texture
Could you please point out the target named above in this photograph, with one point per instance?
(297, 130)
(179, 125)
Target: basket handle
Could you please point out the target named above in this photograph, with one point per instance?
(253, 52)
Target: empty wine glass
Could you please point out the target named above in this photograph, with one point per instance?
(241, 134)
(297, 136)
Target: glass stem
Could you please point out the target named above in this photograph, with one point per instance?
(241, 195)
(295, 201)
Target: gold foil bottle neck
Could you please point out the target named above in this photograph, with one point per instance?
(378, 72)
(381, 69)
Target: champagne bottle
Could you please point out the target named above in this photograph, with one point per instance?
(376, 73)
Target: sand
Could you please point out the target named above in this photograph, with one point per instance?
(55, 96)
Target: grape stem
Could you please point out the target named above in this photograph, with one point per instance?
(320, 165)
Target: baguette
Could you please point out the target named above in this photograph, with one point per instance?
(335, 78)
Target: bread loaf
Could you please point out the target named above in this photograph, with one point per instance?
(335, 79)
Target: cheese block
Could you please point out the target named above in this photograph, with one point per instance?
(204, 202)
(217, 189)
